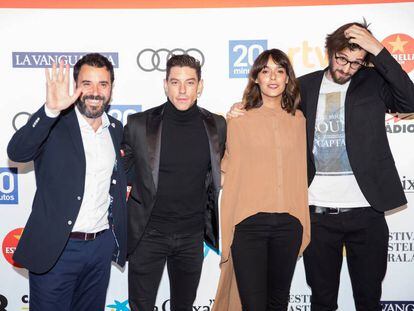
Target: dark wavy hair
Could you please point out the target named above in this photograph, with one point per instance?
(94, 60)
(336, 41)
(183, 60)
(252, 96)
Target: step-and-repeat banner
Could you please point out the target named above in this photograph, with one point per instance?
(137, 37)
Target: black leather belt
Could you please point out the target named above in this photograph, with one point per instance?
(331, 210)
(85, 236)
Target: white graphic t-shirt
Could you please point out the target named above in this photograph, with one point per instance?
(334, 184)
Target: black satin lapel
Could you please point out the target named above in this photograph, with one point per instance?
(311, 106)
(116, 143)
(73, 127)
(154, 129)
(214, 144)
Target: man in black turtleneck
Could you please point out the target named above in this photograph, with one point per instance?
(172, 156)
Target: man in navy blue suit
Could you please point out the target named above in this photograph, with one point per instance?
(78, 221)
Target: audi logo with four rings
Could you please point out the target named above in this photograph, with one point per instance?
(150, 59)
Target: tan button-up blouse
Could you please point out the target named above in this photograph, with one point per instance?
(264, 171)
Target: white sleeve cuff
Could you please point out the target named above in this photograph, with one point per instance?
(50, 113)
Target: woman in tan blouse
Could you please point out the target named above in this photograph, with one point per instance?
(264, 209)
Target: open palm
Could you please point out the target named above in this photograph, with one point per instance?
(57, 88)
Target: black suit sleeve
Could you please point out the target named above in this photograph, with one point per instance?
(222, 130)
(28, 142)
(397, 90)
(128, 150)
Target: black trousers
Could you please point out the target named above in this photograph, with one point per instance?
(364, 233)
(264, 251)
(184, 256)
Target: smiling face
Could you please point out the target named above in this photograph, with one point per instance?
(182, 87)
(340, 73)
(272, 80)
(96, 91)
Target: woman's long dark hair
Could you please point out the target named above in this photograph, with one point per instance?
(252, 96)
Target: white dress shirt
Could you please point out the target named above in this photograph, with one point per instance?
(100, 161)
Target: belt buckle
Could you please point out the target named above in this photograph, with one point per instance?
(89, 236)
(336, 212)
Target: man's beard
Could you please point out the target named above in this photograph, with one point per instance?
(92, 112)
(341, 80)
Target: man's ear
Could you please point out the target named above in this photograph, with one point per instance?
(200, 88)
(165, 87)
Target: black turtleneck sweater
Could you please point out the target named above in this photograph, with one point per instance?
(184, 161)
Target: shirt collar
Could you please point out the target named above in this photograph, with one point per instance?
(84, 124)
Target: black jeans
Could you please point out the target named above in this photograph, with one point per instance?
(184, 256)
(364, 233)
(264, 251)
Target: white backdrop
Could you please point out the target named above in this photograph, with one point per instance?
(228, 40)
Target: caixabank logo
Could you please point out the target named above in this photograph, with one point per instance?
(401, 46)
(242, 54)
(206, 306)
(9, 245)
(397, 305)
(45, 59)
(208, 249)
(118, 306)
(121, 112)
(9, 186)
(401, 247)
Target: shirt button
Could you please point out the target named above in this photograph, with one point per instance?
(79, 198)
(70, 222)
(114, 181)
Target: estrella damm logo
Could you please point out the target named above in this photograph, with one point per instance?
(9, 245)
(401, 46)
(9, 190)
(45, 59)
(121, 112)
(242, 54)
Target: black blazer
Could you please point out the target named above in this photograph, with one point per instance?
(371, 93)
(141, 145)
(55, 145)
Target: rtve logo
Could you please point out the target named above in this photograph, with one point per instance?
(9, 192)
(9, 245)
(121, 112)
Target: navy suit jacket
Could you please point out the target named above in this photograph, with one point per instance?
(373, 91)
(55, 145)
